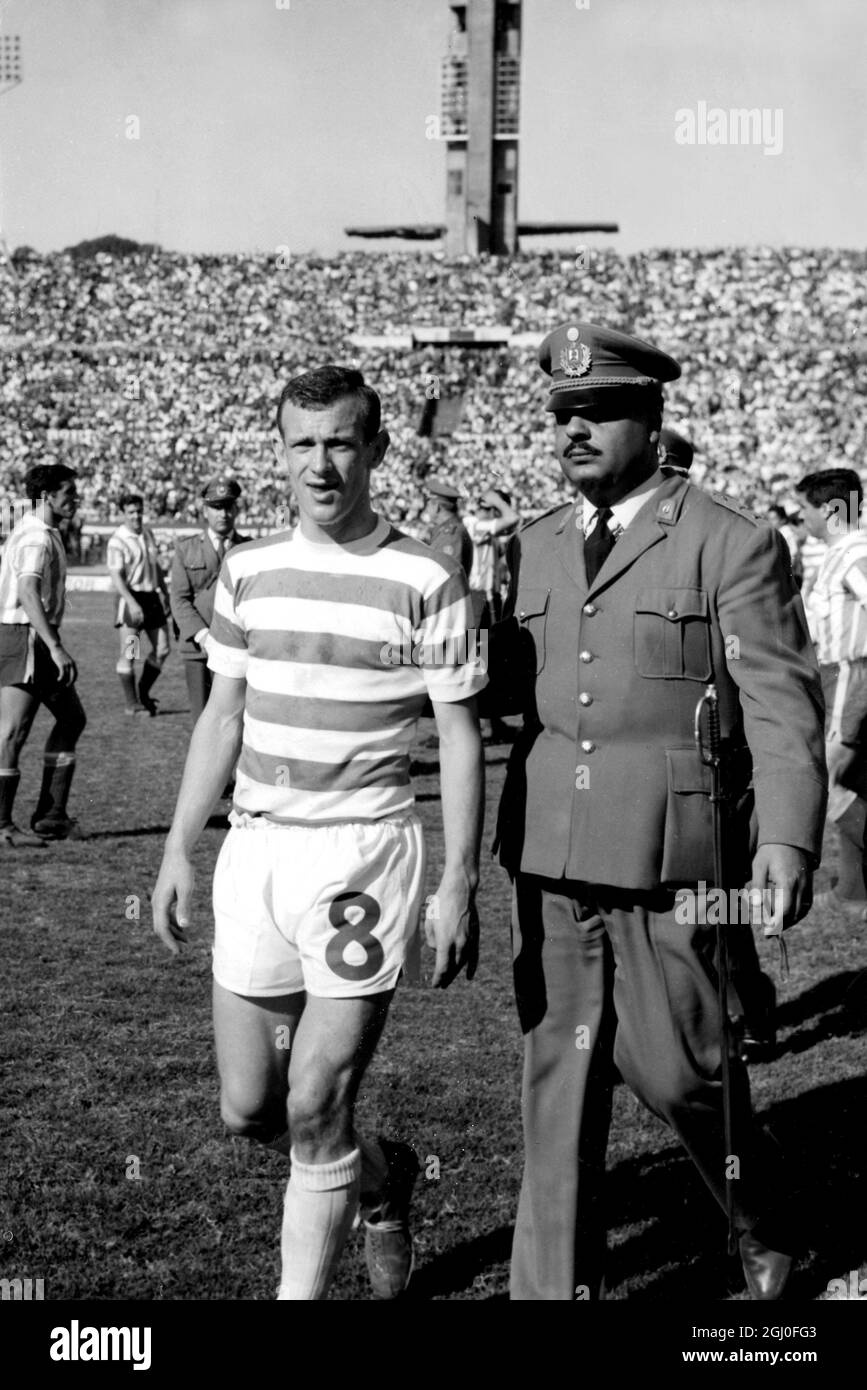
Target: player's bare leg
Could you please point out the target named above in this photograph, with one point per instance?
(50, 817)
(256, 1038)
(130, 645)
(253, 1040)
(333, 1044)
(17, 711)
(154, 662)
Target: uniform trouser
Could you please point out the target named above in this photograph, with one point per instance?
(601, 973)
(198, 676)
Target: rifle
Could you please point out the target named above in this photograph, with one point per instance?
(707, 740)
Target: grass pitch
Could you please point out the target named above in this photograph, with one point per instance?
(119, 1179)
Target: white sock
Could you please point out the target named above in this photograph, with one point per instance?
(374, 1164)
(318, 1210)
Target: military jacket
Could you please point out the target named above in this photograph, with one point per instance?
(195, 568)
(605, 783)
(452, 538)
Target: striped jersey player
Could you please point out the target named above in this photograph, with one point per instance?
(319, 883)
(837, 613)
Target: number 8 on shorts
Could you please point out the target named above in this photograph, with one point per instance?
(353, 916)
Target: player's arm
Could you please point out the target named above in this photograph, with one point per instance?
(30, 597)
(214, 749)
(452, 925)
(855, 581)
(508, 516)
(117, 574)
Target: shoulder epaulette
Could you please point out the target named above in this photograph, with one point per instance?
(560, 507)
(732, 506)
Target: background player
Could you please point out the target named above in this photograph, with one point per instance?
(318, 886)
(837, 613)
(142, 604)
(35, 667)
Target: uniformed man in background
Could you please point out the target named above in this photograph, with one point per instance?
(627, 603)
(448, 534)
(195, 568)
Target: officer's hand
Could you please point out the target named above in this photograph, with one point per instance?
(66, 668)
(785, 876)
(171, 901)
(451, 927)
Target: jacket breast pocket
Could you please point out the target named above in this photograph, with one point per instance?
(672, 634)
(532, 614)
(201, 575)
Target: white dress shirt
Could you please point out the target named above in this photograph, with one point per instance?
(624, 511)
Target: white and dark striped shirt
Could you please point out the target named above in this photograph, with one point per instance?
(324, 634)
(137, 556)
(836, 603)
(33, 547)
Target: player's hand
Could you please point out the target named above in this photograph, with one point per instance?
(66, 667)
(171, 901)
(134, 613)
(451, 927)
(785, 876)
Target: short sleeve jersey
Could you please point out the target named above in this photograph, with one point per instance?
(340, 647)
(837, 619)
(33, 548)
(137, 556)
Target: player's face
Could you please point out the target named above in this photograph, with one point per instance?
(815, 519)
(221, 517)
(603, 453)
(132, 515)
(324, 456)
(63, 502)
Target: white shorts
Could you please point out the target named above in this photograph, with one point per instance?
(330, 909)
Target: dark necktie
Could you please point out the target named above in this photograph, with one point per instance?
(599, 544)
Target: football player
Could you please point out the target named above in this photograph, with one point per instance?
(35, 667)
(143, 602)
(318, 682)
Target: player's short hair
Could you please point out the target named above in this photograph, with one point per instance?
(833, 485)
(130, 499)
(46, 477)
(323, 386)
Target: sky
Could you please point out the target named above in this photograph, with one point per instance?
(277, 123)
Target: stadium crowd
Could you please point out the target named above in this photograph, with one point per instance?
(155, 371)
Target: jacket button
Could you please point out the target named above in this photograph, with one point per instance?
(587, 745)
(585, 699)
(585, 657)
(672, 612)
(590, 609)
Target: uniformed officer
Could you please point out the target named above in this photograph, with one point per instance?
(449, 535)
(626, 604)
(195, 568)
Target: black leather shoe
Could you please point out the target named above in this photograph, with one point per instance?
(767, 1271)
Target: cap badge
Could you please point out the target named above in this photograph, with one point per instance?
(575, 359)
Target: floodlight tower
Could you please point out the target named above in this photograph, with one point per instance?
(10, 76)
(479, 107)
